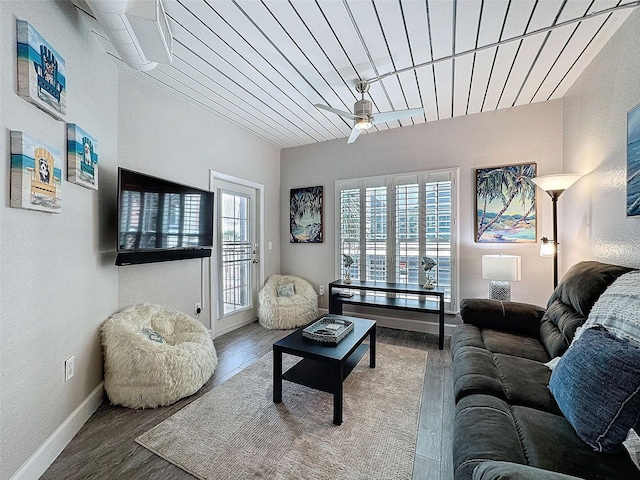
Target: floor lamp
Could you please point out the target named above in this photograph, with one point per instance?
(554, 185)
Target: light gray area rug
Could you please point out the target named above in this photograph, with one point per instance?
(235, 431)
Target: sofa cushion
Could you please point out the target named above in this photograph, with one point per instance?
(514, 471)
(558, 327)
(552, 444)
(497, 341)
(509, 316)
(484, 430)
(572, 300)
(519, 381)
(597, 386)
(487, 428)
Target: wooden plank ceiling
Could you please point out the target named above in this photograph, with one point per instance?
(263, 64)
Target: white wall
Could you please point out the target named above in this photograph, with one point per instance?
(595, 225)
(525, 134)
(163, 135)
(57, 279)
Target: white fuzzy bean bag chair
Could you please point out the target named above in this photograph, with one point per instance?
(153, 356)
(287, 301)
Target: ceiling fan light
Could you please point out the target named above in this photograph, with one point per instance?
(363, 124)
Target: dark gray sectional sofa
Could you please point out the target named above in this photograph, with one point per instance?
(508, 424)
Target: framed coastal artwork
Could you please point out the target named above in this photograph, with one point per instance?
(506, 204)
(305, 215)
(36, 174)
(82, 157)
(633, 162)
(41, 72)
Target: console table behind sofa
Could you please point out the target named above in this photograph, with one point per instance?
(433, 303)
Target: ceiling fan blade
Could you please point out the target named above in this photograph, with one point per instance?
(342, 113)
(398, 114)
(355, 133)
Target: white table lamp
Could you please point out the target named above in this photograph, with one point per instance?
(501, 269)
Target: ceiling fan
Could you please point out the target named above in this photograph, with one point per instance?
(362, 115)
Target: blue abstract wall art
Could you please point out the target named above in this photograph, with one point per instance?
(305, 216)
(633, 162)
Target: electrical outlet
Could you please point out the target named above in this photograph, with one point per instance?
(321, 288)
(69, 368)
(197, 308)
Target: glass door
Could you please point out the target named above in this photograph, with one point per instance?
(237, 256)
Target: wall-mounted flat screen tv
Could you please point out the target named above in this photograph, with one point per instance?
(160, 220)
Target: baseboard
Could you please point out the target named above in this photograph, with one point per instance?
(218, 333)
(402, 323)
(60, 438)
(383, 321)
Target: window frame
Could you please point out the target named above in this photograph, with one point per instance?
(391, 182)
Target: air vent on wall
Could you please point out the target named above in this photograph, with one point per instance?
(138, 29)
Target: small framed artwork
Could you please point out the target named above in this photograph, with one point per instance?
(305, 215)
(506, 204)
(36, 175)
(41, 72)
(633, 162)
(82, 157)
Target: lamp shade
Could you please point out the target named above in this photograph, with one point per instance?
(505, 268)
(559, 182)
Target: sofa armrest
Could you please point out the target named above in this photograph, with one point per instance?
(507, 316)
(515, 471)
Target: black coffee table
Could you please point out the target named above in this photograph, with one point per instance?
(324, 366)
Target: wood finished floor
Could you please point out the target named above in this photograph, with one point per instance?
(104, 448)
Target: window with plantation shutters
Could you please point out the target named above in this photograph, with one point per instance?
(389, 224)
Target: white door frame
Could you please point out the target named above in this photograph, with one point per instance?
(215, 267)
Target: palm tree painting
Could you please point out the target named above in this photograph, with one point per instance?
(305, 215)
(506, 204)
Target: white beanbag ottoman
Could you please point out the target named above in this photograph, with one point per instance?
(153, 356)
(292, 308)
